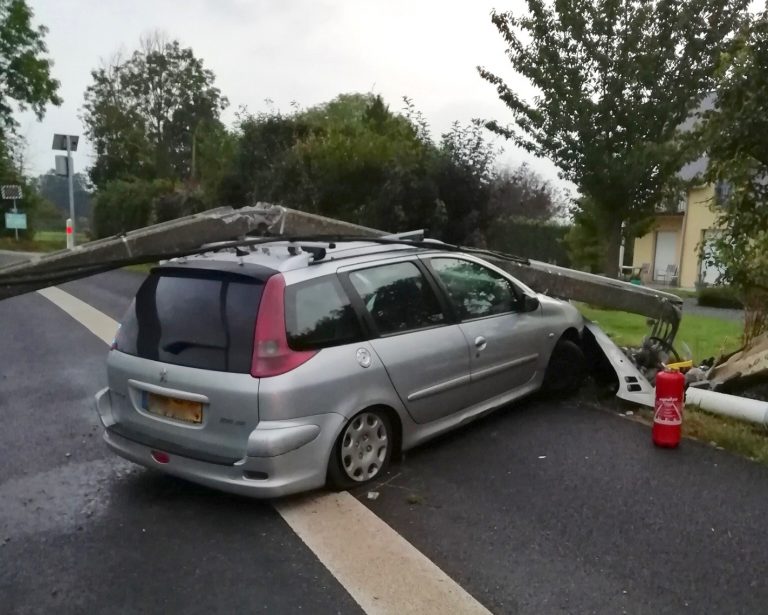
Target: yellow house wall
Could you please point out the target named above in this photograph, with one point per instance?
(643, 250)
(700, 217)
(645, 246)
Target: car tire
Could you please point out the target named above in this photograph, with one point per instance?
(362, 451)
(566, 370)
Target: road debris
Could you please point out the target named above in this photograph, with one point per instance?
(745, 372)
(414, 498)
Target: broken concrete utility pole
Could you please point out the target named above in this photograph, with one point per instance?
(541, 277)
(190, 234)
(233, 229)
(145, 245)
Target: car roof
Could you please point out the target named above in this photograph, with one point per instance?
(281, 255)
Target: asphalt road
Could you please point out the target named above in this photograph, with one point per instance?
(544, 507)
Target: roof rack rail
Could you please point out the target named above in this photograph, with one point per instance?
(417, 235)
(317, 249)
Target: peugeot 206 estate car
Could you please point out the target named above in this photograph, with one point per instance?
(285, 367)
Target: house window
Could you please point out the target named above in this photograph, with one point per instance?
(722, 192)
(682, 202)
(673, 203)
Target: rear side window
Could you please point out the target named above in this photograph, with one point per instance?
(397, 297)
(204, 320)
(318, 314)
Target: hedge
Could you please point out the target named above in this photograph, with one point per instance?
(720, 297)
(543, 241)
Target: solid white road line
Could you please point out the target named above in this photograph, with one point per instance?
(381, 570)
(98, 323)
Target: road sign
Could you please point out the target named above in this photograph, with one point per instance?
(11, 192)
(62, 166)
(60, 142)
(17, 221)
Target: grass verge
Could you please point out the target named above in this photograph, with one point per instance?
(44, 241)
(142, 268)
(704, 335)
(736, 436)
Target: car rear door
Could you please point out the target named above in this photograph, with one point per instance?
(505, 341)
(424, 353)
(179, 373)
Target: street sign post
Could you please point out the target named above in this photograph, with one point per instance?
(13, 220)
(68, 143)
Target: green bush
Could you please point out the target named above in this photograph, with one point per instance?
(538, 240)
(123, 206)
(720, 297)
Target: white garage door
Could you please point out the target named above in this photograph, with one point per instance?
(666, 252)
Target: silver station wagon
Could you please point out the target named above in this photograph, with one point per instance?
(286, 366)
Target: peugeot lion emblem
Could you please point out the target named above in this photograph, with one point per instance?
(163, 375)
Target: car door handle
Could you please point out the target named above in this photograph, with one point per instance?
(480, 342)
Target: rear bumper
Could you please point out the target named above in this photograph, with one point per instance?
(282, 457)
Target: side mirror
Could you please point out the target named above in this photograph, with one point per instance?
(530, 304)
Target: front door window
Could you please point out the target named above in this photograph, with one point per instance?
(398, 298)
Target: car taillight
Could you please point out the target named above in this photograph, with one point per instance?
(271, 354)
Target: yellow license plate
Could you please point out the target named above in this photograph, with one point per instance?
(178, 409)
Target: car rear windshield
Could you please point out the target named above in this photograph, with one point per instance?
(202, 319)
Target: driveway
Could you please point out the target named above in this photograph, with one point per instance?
(690, 306)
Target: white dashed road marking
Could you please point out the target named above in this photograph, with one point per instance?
(381, 570)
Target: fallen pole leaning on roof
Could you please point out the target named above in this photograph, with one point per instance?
(188, 234)
(148, 244)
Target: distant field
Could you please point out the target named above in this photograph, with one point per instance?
(44, 241)
(58, 236)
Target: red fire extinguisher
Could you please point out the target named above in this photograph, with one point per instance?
(668, 411)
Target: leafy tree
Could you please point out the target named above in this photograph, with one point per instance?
(354, 152)
(264, 167)
(350, 158)
(522, 193)
(25, 71)
(464, 177)
(733, 135)
(55, 189)
(614, 79)
(25, 83)
(355, 159)
(122, 205)
(586, 247)
(145, 114)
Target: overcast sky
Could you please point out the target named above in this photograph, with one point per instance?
(306, 51)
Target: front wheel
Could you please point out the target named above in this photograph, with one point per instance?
(362, 451)
(566, 370)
